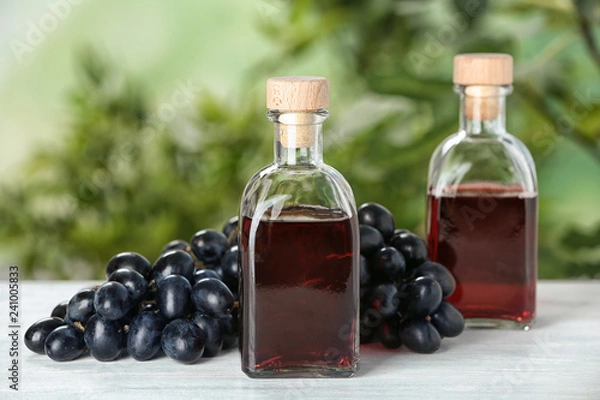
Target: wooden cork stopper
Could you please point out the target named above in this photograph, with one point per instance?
(483, 69)
(297, 131)
(482, 103)
(297, 93)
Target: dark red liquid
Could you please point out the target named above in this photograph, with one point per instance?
(300, 297)
(486, 235)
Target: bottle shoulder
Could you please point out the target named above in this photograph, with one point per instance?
(497, 158)
(292, 187)
(461, 139)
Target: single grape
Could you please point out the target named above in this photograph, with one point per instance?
(447, 320)
(365, 275)
(209, 246)
(419, 336)
(384, 299)
(440, 274)
(136, 284)
(420, 297)
(200, 274)
(388, 332)
(218, 269)
(60, 311)
(371, 240)
(145, 332)
(104, 338)
(129, 260)
(176, 245)
(131, 314)
(173, 297)
(230, 229)
(399, 231)
(213, 339)
(174, 262)
(370, 320)
(36, 335)
(212, 297)
(230, 268)
(112, 301)
(412, 247)
(228, 327)
(81, 307)
(387, 264)
(64, 343)
(378, 217)
(149, 307)
(183, 341)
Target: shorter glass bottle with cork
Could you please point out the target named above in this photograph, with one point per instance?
(299, 248)
(482, 202)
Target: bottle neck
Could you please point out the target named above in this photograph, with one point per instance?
(298, 137)
(483, 109)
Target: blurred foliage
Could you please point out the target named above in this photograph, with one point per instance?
(130, 178)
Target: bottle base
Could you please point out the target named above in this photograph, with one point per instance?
(491, 323)
(301, 372)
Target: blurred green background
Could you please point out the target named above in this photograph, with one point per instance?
(127, 124)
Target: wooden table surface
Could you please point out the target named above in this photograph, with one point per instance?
(558, 358)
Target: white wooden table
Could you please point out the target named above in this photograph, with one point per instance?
(559, 358)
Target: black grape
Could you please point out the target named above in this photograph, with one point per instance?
(212, 297)
(230, 230)
(176, 245)
(217, 269)
(384, 299)
(389, 332)
(145, 332)
(174, 262)
(183, 341)
(81, 307)
(365, 275)
(213, 339)
(129, 260)
(112, 300)
(370, 240)
(36, 335)
(420, 297)
(209, 246)
(387, 264)
(104, 338)
(230, 268)
(228, 328)
(370, 320)
(399, 231)
(440, 274)
(200, 274)
(447, 320)
(173, 297)
(378, 217)
(419, 336)
(60, 311)
(412, 247)
(149, 307)
(64, 343)
(136, 284)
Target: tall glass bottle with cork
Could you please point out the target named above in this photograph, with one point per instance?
(482, 202)
(299, 248)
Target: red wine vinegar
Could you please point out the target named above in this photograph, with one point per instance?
(486, 234)
(305, 295)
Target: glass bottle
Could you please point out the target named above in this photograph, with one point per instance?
(299, 248)
(482, 202)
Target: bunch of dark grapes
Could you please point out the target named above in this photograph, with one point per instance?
(401, 290)
(184, 305)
